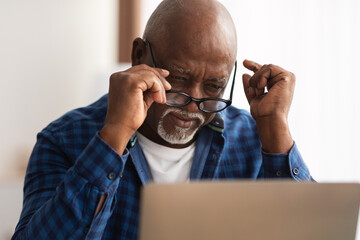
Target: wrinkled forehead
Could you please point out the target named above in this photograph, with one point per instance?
(182, 51)
(191, 43)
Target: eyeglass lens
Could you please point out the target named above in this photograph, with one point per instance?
(177, 100)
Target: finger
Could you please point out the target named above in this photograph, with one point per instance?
(159, 72)
(164, 73)
(285, 77)
(158, 91)
(146, 73)
(155, 90)
(148, 99)
(260, 78)
(251, 65)
(249, 91)
(143, 67)
(259, 92)
(246, 78)
(267, 76)
(150, 83)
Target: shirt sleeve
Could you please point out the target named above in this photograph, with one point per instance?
(60, 198)
(289, 165)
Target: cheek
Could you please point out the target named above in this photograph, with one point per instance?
(154, 114)
(208, 118)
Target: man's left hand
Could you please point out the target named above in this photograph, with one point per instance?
(270, 109)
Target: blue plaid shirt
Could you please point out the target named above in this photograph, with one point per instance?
(71, 167)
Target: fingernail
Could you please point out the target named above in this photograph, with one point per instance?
(164, 99)
(165, 71)
(168, 85)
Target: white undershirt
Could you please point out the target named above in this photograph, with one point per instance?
(167, 165)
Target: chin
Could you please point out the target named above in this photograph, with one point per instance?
(174, 132)
(177, 136)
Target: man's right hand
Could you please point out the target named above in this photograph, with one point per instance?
(131, 94)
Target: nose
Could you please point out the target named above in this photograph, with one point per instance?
(194, 92)
(191, 107)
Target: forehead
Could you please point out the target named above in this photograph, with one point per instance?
(218, 73)
(206, 36)
(188, 58)
(198, 69)
(210, 50)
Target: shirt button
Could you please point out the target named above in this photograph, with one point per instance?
(121, 175)
(295, 171)
(112, 176)
(278, 173)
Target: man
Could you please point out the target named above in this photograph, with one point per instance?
(164, 121)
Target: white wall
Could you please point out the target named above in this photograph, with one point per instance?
(54, 56)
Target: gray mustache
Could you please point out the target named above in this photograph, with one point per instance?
(185, 114)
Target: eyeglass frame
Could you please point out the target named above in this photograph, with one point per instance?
(197, 100)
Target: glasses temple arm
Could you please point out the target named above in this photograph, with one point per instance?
(233, 83)
(151, 54)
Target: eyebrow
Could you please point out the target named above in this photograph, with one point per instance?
(219, 80)
(178, 69)
(187, 71)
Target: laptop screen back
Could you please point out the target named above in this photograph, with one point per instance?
(249, 210)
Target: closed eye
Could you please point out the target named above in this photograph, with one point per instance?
(177, 78)
(214, 89)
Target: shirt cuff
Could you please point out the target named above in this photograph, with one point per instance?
(289, 165)
(100, 164)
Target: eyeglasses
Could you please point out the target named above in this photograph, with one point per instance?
(209, 105)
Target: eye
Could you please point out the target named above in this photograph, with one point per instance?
(215, 87)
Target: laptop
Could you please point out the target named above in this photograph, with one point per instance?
(249, 210)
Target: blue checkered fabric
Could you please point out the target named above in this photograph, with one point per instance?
(71, 167)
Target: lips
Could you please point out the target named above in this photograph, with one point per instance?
(182, 121)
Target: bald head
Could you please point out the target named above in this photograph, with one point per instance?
(204, 24)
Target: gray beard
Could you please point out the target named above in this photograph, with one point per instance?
(181, 135)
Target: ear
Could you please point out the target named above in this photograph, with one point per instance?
(138, 52)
